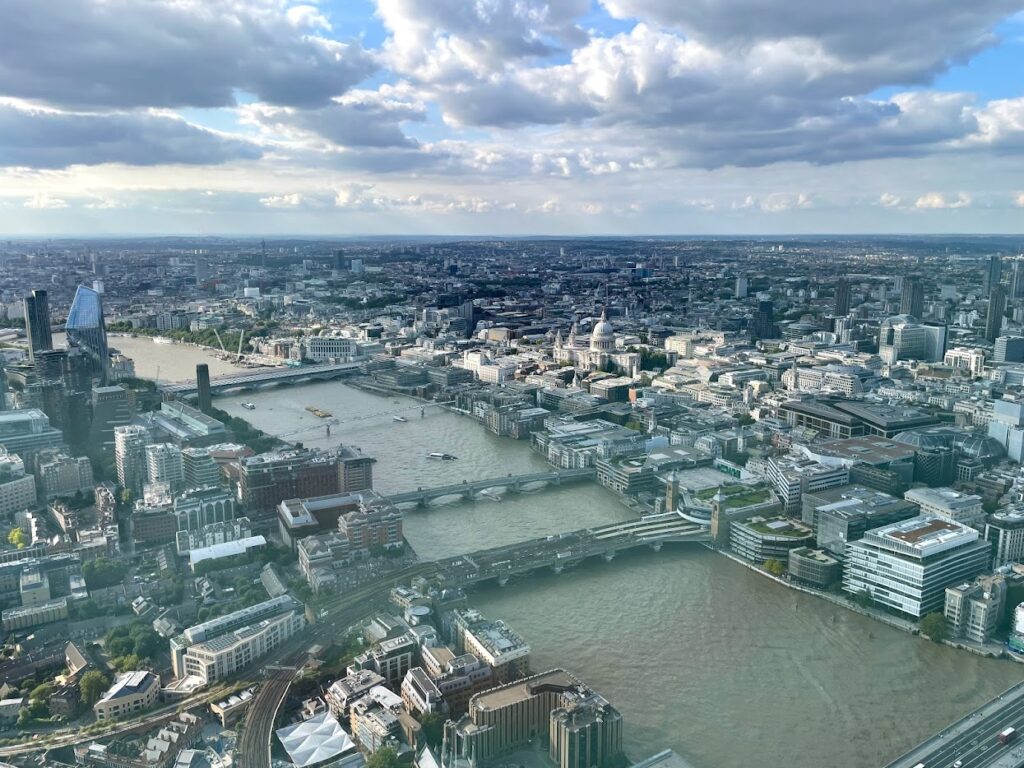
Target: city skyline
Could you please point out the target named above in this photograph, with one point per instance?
(561, 117)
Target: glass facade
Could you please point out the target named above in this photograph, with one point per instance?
(86, 330)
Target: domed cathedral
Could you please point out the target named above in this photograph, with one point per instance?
(600, 354)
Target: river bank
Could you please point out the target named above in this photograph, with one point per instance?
(990, 651)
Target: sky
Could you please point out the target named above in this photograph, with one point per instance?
(511, 117)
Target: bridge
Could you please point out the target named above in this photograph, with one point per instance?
(512, 483)
(973, 740)
(254, 379)
(569, 549)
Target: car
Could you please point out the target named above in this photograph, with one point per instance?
(958, 763)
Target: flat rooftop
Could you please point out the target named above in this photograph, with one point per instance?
(922, 536)
(507, 695)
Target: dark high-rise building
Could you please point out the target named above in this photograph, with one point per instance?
(994, 318)
(993, 273)
(339, 260)
(202, 267)
(87, 331)
(762, 325)
(1009, 349)
(203, 387)
(1017, 280)
(912, 298)
(842, 305)
(37, 323)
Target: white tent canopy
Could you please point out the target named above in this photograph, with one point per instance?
(315, 740)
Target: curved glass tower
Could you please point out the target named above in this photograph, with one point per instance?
(85, 328)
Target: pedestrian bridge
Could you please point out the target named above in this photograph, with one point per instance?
(570, 549)
(254, 379)
(468, 489)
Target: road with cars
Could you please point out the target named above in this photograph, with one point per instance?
(972, 741)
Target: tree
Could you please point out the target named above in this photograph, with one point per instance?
(128, 663)
(16, 536)
(384, 758)
(433, 729)
(93, 684)
(41, 692)
(934, 625)
(863, 599)
(774, 567)
(102, 572)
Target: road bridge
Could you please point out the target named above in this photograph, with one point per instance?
(569, 549)
(971, 742)
(253, 379)
(468, 489)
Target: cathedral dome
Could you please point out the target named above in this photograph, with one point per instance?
(603, 330)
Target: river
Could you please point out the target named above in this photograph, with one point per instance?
(700, 654)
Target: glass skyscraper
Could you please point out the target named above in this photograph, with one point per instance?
(85, 328)
(37, 323)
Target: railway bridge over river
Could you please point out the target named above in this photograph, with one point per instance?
(469, 489)
(569, 549)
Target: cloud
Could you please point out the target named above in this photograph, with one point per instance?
(702, 107)
(41, 138)
(43, 200)
(889, 200)
(774, 202)
(444, 39)
(938, 201)
(1019, 200)
(366, 198)
(906, 42)
(172, 53)
(292, 200)
(357, 119)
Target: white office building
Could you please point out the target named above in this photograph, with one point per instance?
(214, 649)
(130, 455)
(17, 490)
(1005, 531)
(963, 508)
(907, 566)
(163, 465)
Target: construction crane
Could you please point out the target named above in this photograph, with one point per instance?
(241, 338)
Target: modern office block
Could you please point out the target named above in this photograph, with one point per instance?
(907, 566)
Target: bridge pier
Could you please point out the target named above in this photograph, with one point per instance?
(656, 546)
(557, 569)
(502, 581)
(609, 556)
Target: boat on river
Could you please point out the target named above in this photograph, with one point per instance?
(400, 418)
(249, 406)
(319, 413)
(441, 456)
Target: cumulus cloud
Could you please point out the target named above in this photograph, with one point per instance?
(938, 201)
(45, 138)
(889, 200)
(358, 119)
(880, 41)
(44, 200)
(366, 197)
(1019, 200)
(292, 200)
(441, 39)
(172, 53)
